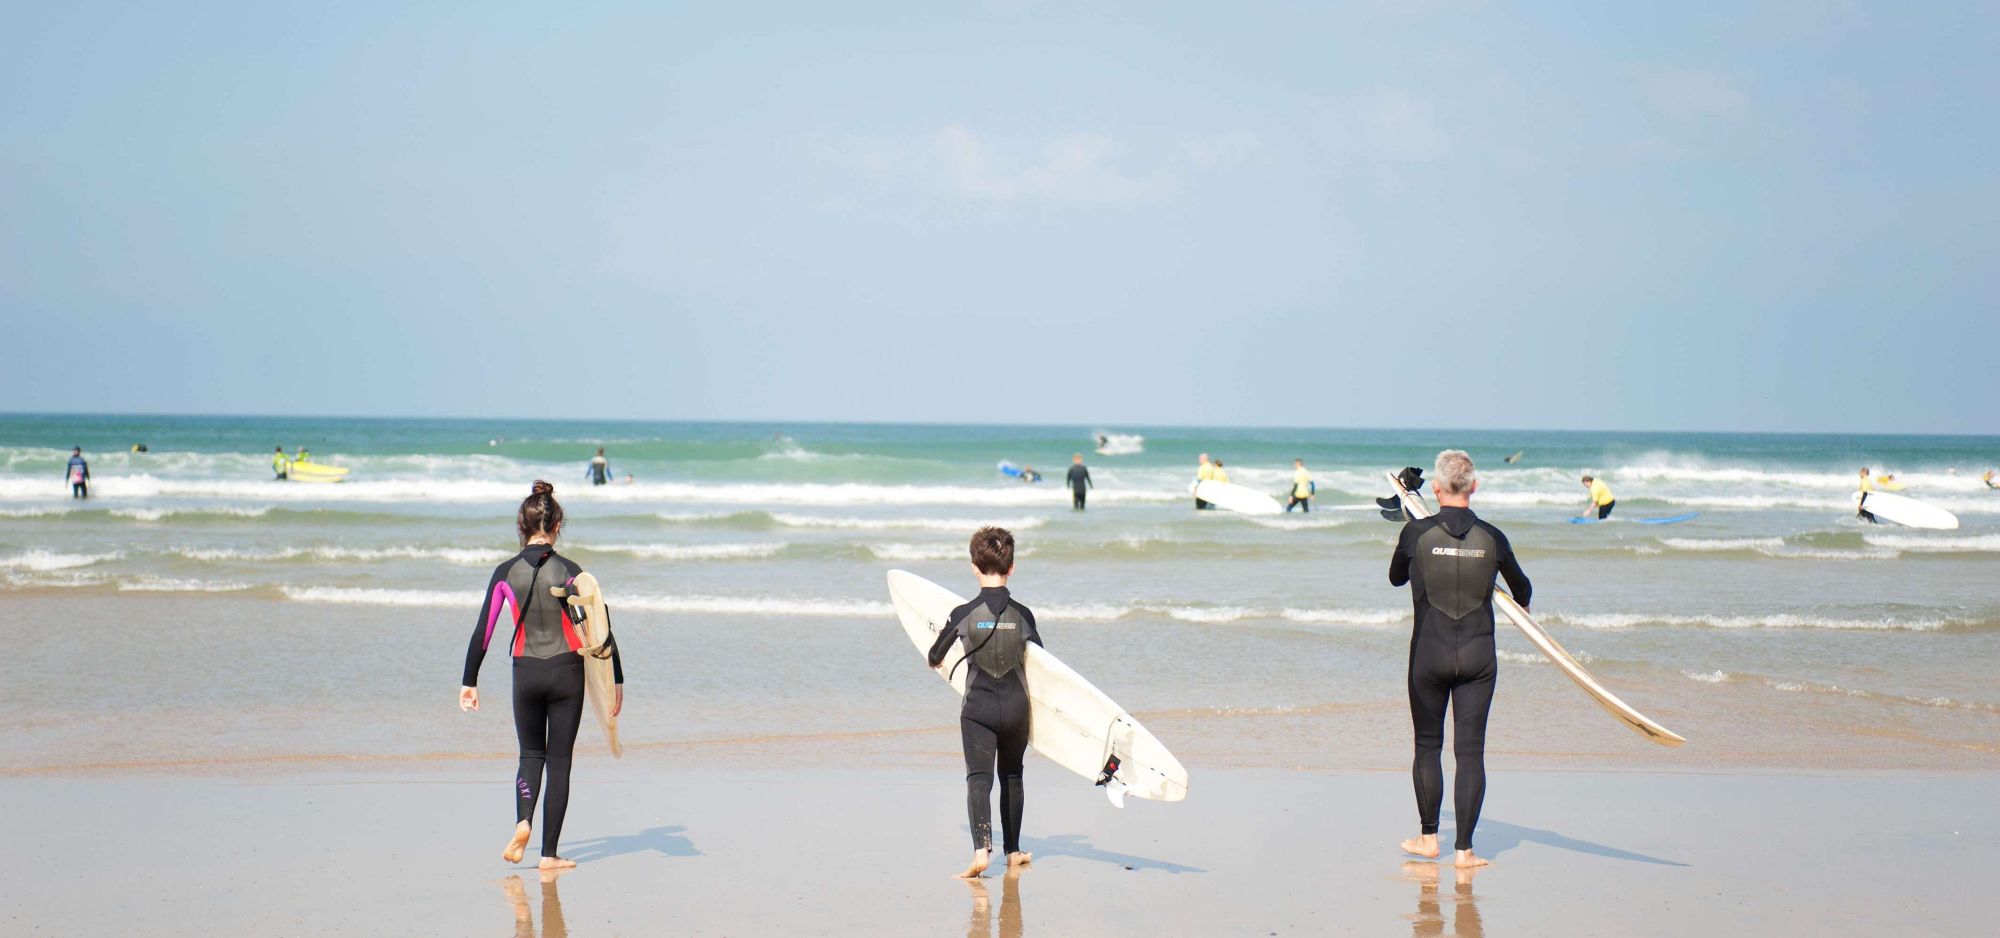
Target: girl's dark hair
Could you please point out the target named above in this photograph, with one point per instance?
(540, 513)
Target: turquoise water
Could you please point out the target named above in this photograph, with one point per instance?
(1775, 601)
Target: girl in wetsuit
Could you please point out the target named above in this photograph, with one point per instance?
(548, 672)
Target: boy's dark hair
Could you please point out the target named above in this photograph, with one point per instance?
(993, 551)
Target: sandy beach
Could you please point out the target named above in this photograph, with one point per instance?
(668, 848)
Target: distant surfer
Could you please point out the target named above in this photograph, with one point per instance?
(78, 474)
(305, 455)
(1516, 457)
(993, 721)
(1219, 475)
(1204, 472)
(1449, 559)
(279, 464)
(1028, 474)
(548, 672)
(1601, 498)
(1302, 488)
(1079, 479)
(1988, 479)
(1861, 505)
(1102, 442)
(600, 468)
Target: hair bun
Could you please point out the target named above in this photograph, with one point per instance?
(542, 488)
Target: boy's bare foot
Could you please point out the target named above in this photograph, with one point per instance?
(556, 863)
(978, 865)
(517, 847)
(1020, 858)
(1425, 845)
(1466, 861)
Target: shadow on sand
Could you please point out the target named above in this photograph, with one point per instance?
(664, 841)
(1498, 837)
(1076, 845)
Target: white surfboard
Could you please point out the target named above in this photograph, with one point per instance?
(1072, 722)
(1235, 497)
(1903, 509)
(1634, 720)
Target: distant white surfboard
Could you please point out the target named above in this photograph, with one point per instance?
(1235, 497)
(1903, 509)
(1634, 720)
(1071, 721)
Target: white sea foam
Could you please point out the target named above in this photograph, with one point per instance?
(912, 552)
(42, 561)
(1723, 543)
(1706, 677)
(1970, 544)
(158, 584)
(687, 551)
(712, 605)
(967, 525)
(1624, 620)
(463, 556)
(219, 511)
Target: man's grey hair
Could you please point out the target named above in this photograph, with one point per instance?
(1454, 473)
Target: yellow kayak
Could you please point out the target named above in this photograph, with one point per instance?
(314, 472)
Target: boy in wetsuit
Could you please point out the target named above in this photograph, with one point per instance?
(993, 721)
(1449, 559)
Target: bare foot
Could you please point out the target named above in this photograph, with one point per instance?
(978, 865)
(1020, 858)
(517, 847)
(1466, 861)
(1425, 845)
(556, 863)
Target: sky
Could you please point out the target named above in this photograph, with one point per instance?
(1755, 216)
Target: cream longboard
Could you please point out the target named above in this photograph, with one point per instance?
(1903, 509)
(1072, 722)
(1235, 497)
(1637, 722)
(593, 623)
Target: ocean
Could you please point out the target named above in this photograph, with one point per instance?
(195, 611)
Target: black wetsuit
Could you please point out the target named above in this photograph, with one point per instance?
(1449, 560)
(1604, 510)
(1079, 479)
(993, 722)
(600, 470)
(548, 677)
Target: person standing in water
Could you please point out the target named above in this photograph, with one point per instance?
(1218, 474)
(78, 474)
(1079, 479)
(1601, 498)
(993, 720)
(1861, 505)
(279, 464)
(548, 671)
(1449, 560)
(305, 455)
(1302, 488)
(600, 468)
(1204, 472)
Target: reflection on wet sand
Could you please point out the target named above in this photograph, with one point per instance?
(1429, 920)
(981, 923)
(553, 925)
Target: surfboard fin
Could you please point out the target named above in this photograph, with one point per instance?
(1115, 791)
(1108, 780)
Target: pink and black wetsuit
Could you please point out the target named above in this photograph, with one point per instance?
(548, 675)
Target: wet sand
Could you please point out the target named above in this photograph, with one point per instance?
(411, 848)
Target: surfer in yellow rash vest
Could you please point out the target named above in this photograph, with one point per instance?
(1861, 507)
(1988, 479)
(1204, 472)
(1601, 499)
(279, 463)
(1302, 488)
(1219, 475)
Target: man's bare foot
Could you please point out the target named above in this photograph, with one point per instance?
(1425, 845)
(556, 863)
(518, 847)
(1466, 861)
(978, 865)
(1020, 858)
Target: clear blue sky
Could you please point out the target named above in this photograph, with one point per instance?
(1729, 216)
